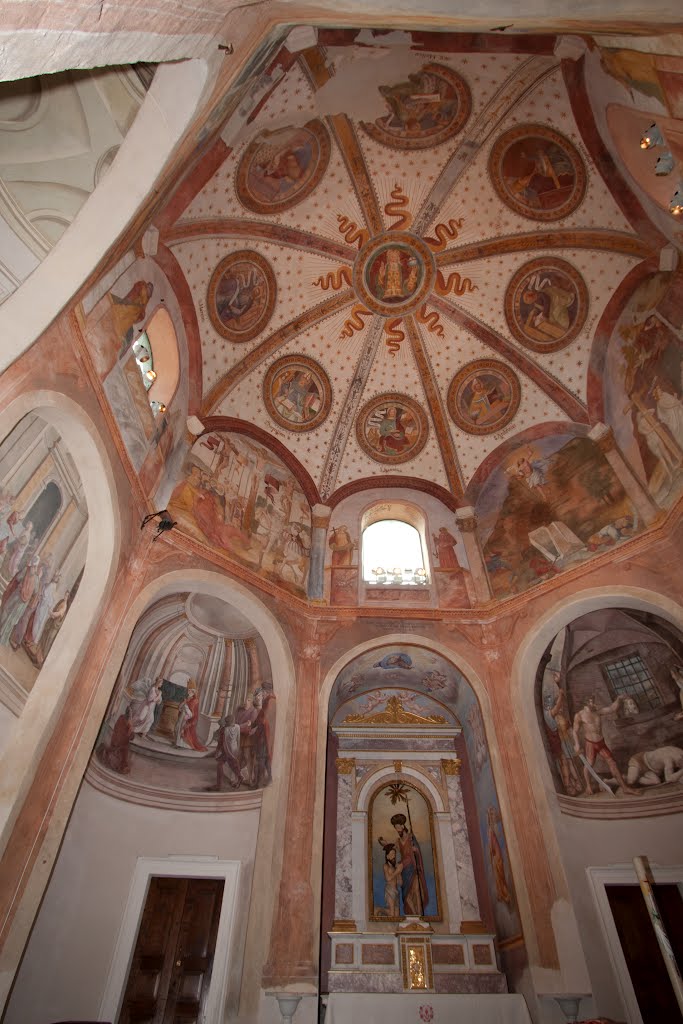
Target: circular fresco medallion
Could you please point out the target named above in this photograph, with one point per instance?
(546, 303)
(281, 168)
(391, 428)
(537, 172)
(431, 107)
(393, 273)
(484, 396)
(297, 393)
(241, 295)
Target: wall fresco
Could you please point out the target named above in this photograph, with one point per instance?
(550, 504)
(491, 831)
(43, 545)
(238, 498)
(643, 388)
(426, 684)
(193, 708)
(609, 696)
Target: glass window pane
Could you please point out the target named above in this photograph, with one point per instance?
(391, 544)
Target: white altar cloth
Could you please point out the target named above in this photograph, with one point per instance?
(414, 1008)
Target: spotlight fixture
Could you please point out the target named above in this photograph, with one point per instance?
(151, 375)
(665, 164)
(676, 204)
(163, 526)
(652, 137)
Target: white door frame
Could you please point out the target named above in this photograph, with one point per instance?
(174, 867)
(623, 874)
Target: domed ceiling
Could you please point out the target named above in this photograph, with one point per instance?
(404, 259)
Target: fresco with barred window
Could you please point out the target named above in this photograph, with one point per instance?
(609, 694)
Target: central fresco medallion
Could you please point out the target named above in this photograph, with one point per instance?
(391, 428)
(393, 273)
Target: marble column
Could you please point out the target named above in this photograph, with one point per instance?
(316, 572)
(638, 493)
(293, 954)
(211, 679)
(343, 877)
(221, 704)
(255, 677)
(451, 897)
(469, 903)
(359, 852)
(467, 524)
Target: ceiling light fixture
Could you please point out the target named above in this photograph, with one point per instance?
(665, 164)
(676, 204)
(652, 137)
(151, 375)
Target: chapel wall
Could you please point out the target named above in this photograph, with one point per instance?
(599, 844)
(75, 933)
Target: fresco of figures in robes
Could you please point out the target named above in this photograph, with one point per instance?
(238, 498)
(193, 708)
(43, 542)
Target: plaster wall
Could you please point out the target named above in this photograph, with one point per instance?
(7, 720)
(74, 937)
(586, 843)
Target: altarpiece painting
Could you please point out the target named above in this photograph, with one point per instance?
(402, 855)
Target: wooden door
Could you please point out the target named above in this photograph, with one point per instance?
(171, 968)
(651, 984)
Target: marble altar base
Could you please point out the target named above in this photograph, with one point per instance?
(429, 1007)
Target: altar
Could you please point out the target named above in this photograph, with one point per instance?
(425, 1008)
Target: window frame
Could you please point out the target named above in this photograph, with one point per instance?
(638, 696)
(402, 512)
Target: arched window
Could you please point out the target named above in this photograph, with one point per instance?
(156, 353)
(393, 545)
